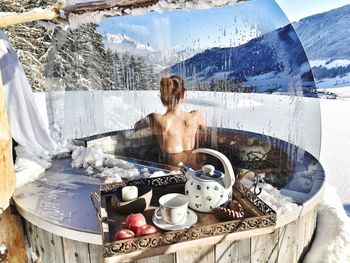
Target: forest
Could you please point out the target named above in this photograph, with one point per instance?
(78, 60)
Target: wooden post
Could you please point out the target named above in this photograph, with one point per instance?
(44, 14)
(11, 231)
(11, 234)
(7, 174)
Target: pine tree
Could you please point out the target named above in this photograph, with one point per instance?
(30, 40)
(110, 75)
(80, 60)
(133, 72)
(116, 74)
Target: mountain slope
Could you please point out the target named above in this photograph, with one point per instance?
(326, 39)
(275, 60)
(268, 63)
(326, 35)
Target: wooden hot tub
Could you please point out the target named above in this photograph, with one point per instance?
(62, 226)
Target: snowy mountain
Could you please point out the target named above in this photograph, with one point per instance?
(326, 39)
(327, 35)
(264, 64)
(159, 60)
(123, 43)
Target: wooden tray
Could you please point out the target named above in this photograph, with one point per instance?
(257, 215)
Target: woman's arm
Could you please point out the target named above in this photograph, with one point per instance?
(144, 123)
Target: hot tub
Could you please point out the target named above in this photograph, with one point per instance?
(61, 222)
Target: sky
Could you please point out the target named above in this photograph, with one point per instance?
(297, 9)
(216, 27)
(199, 29)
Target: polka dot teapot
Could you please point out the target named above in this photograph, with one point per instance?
(209, 188)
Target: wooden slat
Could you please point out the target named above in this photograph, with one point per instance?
(202, 255)
(34, 238)
(45, 242)
(169, 258)
(265, 248)
(189, 245)
(311, 226)
(283, 245)
(237, 251)
(75, 252)
(28, 230)
(58, 247)
(303, 237)
(287, 242)
(96, 253)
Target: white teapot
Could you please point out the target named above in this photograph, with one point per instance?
(209, 188)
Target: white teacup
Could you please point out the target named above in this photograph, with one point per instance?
(173, 208)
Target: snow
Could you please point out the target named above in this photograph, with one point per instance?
(338, 81)
(342, 92)
(330, 83)
(110, 169)
(264, 80)
(29, 165)
(335, 148)
(330, 64)
(280, 203)
(341, 80)
(3, 249)
(123, 43)
(332, 241)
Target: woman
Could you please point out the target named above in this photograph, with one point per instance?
(176, 129)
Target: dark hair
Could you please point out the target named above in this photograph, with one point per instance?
(172, 90)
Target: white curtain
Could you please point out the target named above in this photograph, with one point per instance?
(28, 129)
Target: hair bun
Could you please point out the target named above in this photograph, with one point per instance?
(172, 90)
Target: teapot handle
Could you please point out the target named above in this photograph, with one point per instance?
(229, 178)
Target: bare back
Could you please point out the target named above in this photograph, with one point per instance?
(176, 130)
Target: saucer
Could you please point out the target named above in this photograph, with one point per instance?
(191, 218)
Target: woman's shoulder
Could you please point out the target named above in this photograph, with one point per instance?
(155, 119)
(199, 117)
(155, 116)
(196, 113)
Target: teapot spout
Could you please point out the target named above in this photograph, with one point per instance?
(186, 170)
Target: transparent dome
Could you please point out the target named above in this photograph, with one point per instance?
(244, 70)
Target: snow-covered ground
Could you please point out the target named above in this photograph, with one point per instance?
(294, 119)
(337, 82)
(342, 92)
(330, 64)
(335, 148)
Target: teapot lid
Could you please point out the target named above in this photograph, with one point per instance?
(229, 176)
(208, 173)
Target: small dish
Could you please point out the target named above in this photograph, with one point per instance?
(134, 206)
(190, 219)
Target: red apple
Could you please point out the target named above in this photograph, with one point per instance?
(134, 221)
(146, 230)
(123, 234)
